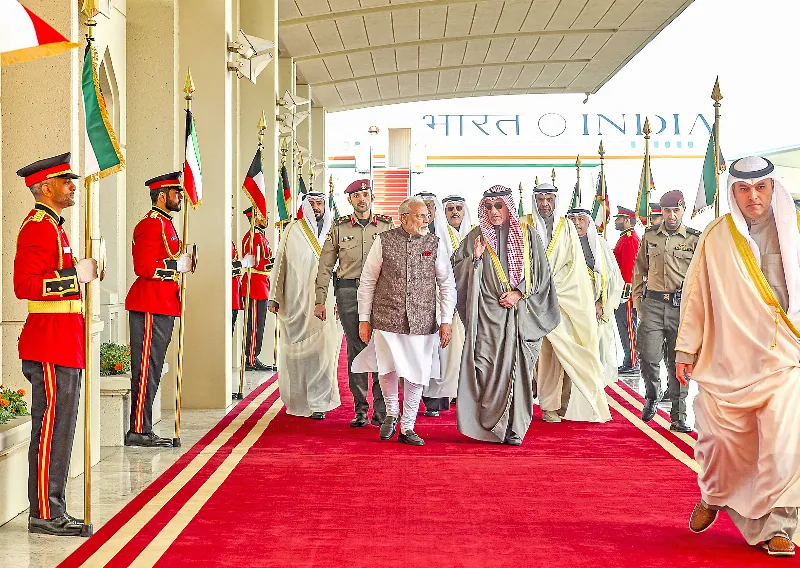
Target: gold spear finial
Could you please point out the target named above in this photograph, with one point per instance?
(188, 85)
(647, 130)
(536, 181)
(601, 150)
(90, 9)
(578, 161)
(553, 176)
(262, 122)
(716, 94)
(330, 182)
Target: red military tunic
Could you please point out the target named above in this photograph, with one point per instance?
(156, 248)
(260, 272)
(45, 275)
(236, 285)
(625, 251)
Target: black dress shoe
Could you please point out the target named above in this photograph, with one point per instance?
(388, 428)
(60, 526)
(359, 421)
(257, 366)
(680, 426)
(73, 519)
(433, 413)
(513, 439)
(377, 420)
(149, 440)
(411, 438)
(650, 407)
(318, 416)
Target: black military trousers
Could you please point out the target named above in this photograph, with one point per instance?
(150, 336)
(436, 403)
(657, 335)
(627, 326)
(234, 315)
(55, 393)
(347, 302)
(256, 319)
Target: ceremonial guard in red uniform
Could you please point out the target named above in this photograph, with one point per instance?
(259, 291)
(153, 302)
(237, 269)
(625, 251)
(51, 344)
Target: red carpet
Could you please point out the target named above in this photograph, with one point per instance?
(322, 494)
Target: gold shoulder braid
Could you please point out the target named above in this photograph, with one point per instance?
(556, 234)
(526, 263)
(311, 237)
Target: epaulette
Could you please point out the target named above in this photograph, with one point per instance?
(38, 216)
(651, 229)
(384, 218)
(342, 220)
(153, 215)
(694, 232)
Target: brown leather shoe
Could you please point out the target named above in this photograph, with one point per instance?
(702, 518)
(779, 546)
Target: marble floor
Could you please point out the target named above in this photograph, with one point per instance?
(123, 473)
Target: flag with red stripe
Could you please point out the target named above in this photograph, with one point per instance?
(192, 172)
(24, 36)
(254, 186)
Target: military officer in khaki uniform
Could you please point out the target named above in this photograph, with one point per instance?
(663, 259)
(348, 242)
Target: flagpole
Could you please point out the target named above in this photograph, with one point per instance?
(521, 206)
(188, 89)
(602, 153)
(647, 175)
(716, 95)
(553, 176)
(89, 10)
(262, 128)
(578, 166)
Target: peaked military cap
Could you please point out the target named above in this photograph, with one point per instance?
(48, 168)
(167, 180)
(358, 185)
(625, 212)
(655, 209)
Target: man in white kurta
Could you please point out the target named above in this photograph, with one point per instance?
(452, 223)
(608, 284)
(308, 348)
(739, 339)
(569, 375)
(403, 279)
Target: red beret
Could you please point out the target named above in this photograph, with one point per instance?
(358, 185)
(673, 198)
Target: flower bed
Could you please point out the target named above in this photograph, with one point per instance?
(12, 405)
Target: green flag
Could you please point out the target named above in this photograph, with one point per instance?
(707, 190)
(643, 200)
(103, 155)
(283, 194)
(332, 205)
(576, 201)
(600, 209)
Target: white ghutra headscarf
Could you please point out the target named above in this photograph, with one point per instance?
(307, 213)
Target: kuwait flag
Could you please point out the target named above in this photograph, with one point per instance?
(332, 204)
(707, 190)
(24, 36)
(103, 155)
(600, 210)
(254, 185)
(284, 197)
(643, 201)
(192, 173)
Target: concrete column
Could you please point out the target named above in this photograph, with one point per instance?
(154, 127)
(205, 27)
(318, 146)
(260, 17)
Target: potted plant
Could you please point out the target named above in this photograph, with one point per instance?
(114, 359)
(12, 404)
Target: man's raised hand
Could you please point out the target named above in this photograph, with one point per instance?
(480, 246)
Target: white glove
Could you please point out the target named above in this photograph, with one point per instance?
(184, 263)
(248, 261)
(86, 270)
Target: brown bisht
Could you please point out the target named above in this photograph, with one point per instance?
(497, 384)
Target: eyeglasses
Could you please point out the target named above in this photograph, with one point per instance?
(451, 208)
(497, 205)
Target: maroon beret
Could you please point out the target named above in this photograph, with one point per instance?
(358, 185)
(673, 198)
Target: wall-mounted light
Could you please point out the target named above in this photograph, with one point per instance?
(254, 56)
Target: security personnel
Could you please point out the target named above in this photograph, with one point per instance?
(348, 243)
(153, 302)
(663, 260)
(237, 269)
(625, 252)
(259, 292)
(656, 218)
(51, 344)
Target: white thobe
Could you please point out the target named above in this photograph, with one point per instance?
(413, 357)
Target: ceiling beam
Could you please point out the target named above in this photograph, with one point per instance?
(305, 20)
(449, 95)
(449, 68)
(444, 40)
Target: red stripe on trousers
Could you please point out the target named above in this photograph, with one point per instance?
(631, 333)
(46, 440)
(254, 326)
(145, 367)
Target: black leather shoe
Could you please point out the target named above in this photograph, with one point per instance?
(73, 519)
(149, 440)
(377, 420)
(650, 407)
(60, 526)
(388, 428)
(410, 437)
(359, 421)
(513, 439)
(433, 413)
(680, 426)
(318, 416)
(257, 366)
